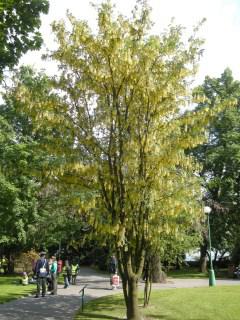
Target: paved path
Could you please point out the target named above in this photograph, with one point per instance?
(60, 307)
(68, 301)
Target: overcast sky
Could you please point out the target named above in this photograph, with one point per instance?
(221, 30)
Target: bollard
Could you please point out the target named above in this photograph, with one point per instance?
(82, 291)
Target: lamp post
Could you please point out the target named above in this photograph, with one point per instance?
(212, 280)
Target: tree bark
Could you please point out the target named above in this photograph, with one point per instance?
(130, 280)
(203, 258)
(158, 275)
(132, 308)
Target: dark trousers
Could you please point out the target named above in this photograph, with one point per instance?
(54, 283)
(41, 284)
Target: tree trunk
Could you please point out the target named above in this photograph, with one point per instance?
(158, 275)
(203, 258)
(132, 306)
(130, 280)
(148, 283)
(11, 264)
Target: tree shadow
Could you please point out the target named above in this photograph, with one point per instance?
(167, 317)
(88, 316)
(108, 304)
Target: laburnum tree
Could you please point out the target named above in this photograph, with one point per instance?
(116, 119)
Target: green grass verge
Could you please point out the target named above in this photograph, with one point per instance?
(193, 273)
(188, 273)
(11, 289)
(214, 303)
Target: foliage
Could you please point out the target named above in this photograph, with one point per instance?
(26, 258)
(46, 223)
(117, 124)
(19, 25)
(221, 162)
(16, 205)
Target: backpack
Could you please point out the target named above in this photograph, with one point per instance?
(43, 271)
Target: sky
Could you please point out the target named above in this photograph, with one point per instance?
(221, 30)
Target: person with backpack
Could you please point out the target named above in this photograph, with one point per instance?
(41, 272)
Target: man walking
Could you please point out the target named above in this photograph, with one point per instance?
(41, 271)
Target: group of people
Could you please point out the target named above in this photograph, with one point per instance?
(46, 272)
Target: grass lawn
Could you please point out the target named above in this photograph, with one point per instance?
(194, 273)
(10, 288)
(218, 303)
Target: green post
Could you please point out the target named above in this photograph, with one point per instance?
(212, 280)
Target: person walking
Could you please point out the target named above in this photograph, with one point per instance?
(113, 264)
(41, 272)
(75, 270)
(53, 273)
(112, 267)
(66, 271)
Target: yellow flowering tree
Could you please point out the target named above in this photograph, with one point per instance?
(117, 119)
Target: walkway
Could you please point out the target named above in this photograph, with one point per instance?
(60, 307)
(68, 301)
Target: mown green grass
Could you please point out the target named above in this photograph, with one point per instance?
(188, 273)
(214, 303)
(193, 273)
(11, 288)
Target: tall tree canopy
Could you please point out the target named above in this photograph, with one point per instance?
(22, 207)
(115, 120)
(19, 29)
(220, 158)
(32, 209)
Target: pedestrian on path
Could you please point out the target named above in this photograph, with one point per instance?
(41, 272)
(53, 273)
(75, 270)
(112, 267)
(66, 271)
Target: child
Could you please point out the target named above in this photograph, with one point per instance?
(24, 279)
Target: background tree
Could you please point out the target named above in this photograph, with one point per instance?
(22, 163)
(19, 24)
(19, 29)
(116, 119)
(18, 203)
(221, 165)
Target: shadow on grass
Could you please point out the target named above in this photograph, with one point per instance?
(167, 317)
(9, 279)
(89, 316)
(104, 308)
(10, 296)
